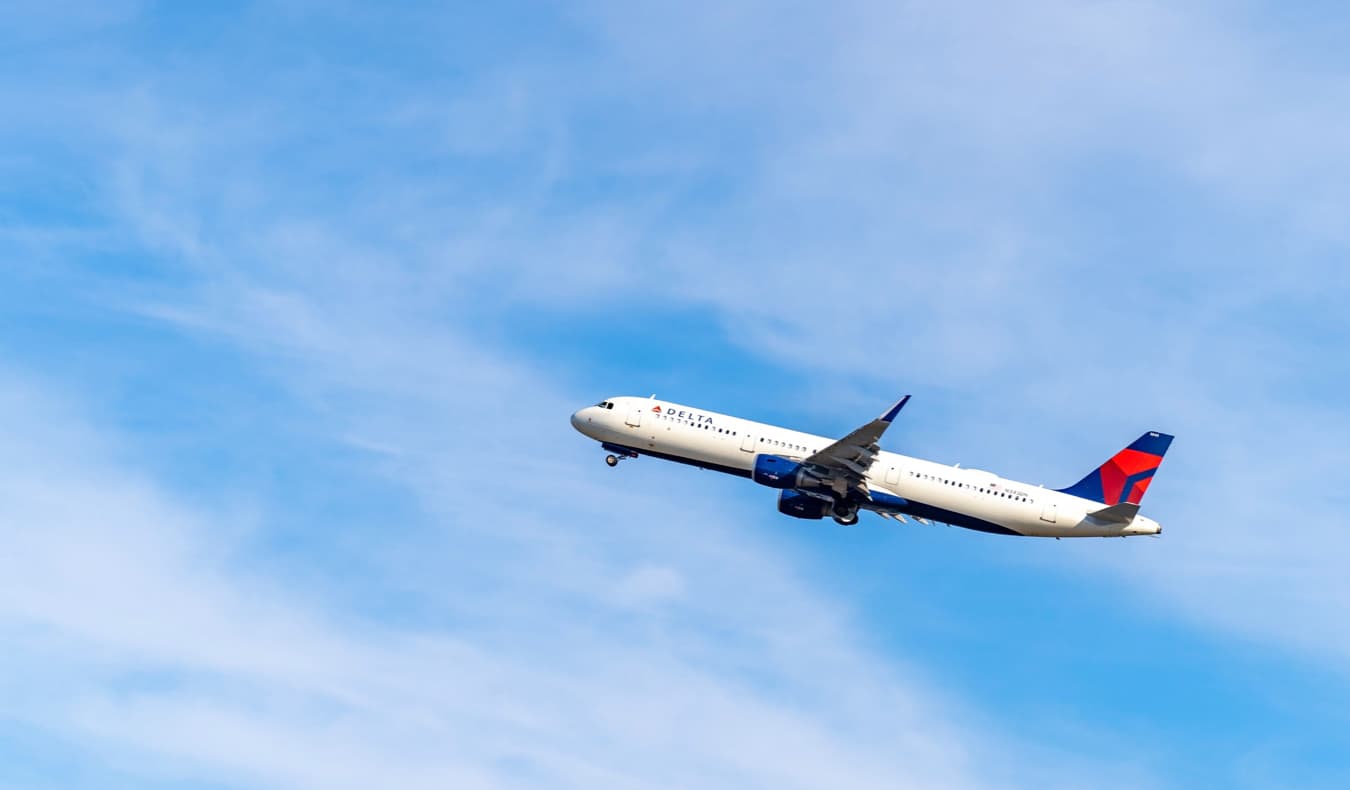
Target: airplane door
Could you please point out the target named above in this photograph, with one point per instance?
(748, 443)
(892, 476)
(1049, 512)
(634, 418)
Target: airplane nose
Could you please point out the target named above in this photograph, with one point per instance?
(576, 420)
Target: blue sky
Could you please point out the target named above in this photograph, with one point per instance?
(296, 298)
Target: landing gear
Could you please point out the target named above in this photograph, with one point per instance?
(617, 453)
(845, 516)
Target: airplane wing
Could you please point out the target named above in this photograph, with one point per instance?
(844, 463)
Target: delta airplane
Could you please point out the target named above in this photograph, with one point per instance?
(820, 477)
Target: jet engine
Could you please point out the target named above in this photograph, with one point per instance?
(775, 471)
(799, 505)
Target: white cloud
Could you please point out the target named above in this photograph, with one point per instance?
(143, 632)
(912, 212)
(897, 211)
(648, 586)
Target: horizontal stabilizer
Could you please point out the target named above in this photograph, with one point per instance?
(1123, 513)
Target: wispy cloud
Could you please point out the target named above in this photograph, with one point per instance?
(938, 166)
(871, 195)
(588, 659)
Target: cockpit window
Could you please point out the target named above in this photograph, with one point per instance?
(604, 404)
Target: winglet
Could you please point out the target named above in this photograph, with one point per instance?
(894, 410)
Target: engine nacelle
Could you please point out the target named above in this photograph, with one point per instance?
(775, 471)
(799, 505)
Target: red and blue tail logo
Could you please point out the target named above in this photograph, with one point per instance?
(1126, 476)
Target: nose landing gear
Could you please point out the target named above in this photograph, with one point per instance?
(617, 454)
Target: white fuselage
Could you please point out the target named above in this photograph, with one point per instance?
(900, 485)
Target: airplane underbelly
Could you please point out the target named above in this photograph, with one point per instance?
(700, 447)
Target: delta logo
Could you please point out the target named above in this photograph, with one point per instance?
(681, 414)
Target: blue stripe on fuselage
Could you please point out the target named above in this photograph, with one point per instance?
(894, 504)
(679, 459)
(880, 499)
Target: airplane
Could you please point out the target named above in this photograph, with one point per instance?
(818, 477)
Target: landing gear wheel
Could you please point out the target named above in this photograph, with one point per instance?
(612, 460)
(845, 515)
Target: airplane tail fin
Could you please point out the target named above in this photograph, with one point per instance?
(1125, 477)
